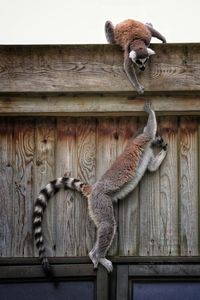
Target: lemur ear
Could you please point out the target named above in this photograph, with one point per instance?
(132, 55)
(150, 51)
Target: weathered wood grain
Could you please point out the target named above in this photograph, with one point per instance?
(66, 163)
(23, 156)
(149, 195)
(169, 221)
(149, 215)
(6, 187)
(95, 68)
(44, 171)
(160, 218)
(159, 199)
(128, 207)
(96, 105)
(107, 136)
(86, 150)
(189, 182)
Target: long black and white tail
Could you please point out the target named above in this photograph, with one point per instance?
(40, 205)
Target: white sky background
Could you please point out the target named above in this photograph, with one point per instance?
(82, 21)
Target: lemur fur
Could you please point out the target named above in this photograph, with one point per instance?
(134, 37)
(117, 182)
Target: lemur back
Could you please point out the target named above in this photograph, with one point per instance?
(119, 180)
(130, 30)
(134, 38)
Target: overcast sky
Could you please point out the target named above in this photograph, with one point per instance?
(82, 21)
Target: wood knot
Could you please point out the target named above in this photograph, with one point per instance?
(116, 135)
(38, 162)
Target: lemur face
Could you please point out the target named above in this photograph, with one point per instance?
(140, 61)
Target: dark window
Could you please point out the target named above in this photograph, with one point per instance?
(71, 290)
(166, 291)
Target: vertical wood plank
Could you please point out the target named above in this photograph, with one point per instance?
(122, 282)
(66, 163)
(189, 185)
(23, 154)
(149, 215)
(44, 172)
(6, 184)
(102, 283)
(159, 200)
(86, 156)
(106, 153)
(128, 207)
(168, 236)
(149, 199)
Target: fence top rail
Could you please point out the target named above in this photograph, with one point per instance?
(96, 69)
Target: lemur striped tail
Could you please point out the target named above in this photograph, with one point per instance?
(41, 202)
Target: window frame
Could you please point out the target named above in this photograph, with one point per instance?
(30, 270)
(174, 269)
(114, 286)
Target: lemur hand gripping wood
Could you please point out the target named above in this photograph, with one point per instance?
(134, 37)
(117, 182)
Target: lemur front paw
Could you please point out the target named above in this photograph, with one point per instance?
(140, 89)
(147, 107)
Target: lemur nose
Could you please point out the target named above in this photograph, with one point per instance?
(142, 68)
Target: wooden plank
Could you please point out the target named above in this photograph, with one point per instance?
(96, 105)
(159, 200)
(86, 158)
(6, 184)
(128, 207)
(23, 156)
(165, 270)
(44, 172)
(122, 282)
(95, 68)
(24, 261)
(106, 153)
(66, 163)
(189, 186)
(70, 270)
(149, 199)
(102, 284)
(149, 215)
(120, 260)
(168, 235)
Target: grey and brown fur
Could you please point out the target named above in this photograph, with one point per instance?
(117, 182)
(134, 37)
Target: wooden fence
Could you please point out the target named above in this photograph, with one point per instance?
(71, 109)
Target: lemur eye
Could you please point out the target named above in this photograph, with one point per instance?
(138, 62)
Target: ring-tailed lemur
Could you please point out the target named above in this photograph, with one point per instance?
(134, 37)
(119, 180)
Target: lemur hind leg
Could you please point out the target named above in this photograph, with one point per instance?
(102, 213)
(155, 33)
(151, 127)
(105, 234)
(109, 32)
